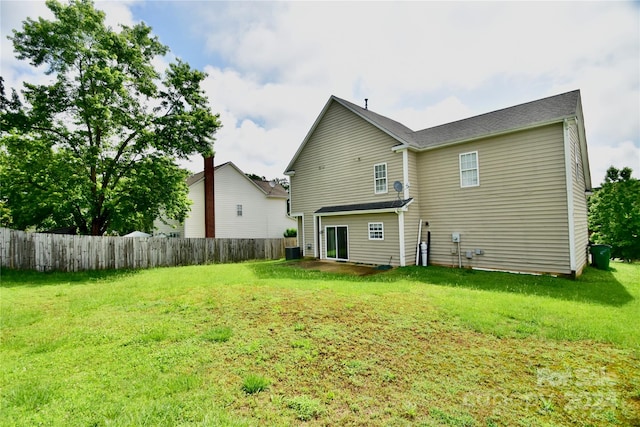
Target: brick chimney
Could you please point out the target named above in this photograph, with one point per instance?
(209, 199)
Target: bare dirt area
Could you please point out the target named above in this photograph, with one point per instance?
(338, 267)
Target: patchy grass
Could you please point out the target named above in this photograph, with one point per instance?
(218, 334)
(409, 346)
(254, 383)
(305, 408)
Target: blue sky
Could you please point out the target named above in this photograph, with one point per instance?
(273, 65)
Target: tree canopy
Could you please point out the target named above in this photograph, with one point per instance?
(97, 147)
(614, 214)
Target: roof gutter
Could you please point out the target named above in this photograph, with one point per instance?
(368, 211)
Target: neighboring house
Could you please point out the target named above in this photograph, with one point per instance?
(510, 183)
(244, 207)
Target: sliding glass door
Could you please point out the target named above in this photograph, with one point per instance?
(337, 242)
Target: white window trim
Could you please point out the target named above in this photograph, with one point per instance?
(386, 179)
(381, 231)
(477, 169)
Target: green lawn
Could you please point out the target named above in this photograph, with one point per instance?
(268, 343)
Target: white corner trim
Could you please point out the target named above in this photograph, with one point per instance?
(401, 237)
(405, 173)
(568, 165)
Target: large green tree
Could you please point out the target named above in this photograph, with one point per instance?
(614, 214)
(97, 147)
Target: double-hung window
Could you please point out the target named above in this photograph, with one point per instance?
(376, 231)
(469, 171)
(380, 178)
(239, 210)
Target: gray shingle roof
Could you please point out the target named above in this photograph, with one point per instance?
(396, 129)
(192, 179)
(534, 113)
(390, 204)
(277, 191)
(542, 111)
(531, 114)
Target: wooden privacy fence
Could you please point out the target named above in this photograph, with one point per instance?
(47, 252)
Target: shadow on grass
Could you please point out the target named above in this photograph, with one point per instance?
(10, 278)
(593, 286)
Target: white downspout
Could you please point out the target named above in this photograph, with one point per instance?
(568, 162)
(405, 185)
(405, 173)
(316, 249)
(401, 237)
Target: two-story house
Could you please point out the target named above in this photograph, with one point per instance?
(237, 206)
(503, 190)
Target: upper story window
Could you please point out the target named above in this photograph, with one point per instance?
(380, 178)
(376, 231)
(239, 210)
(469, 171)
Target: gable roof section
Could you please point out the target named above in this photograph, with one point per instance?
(394, 129)
(192, 179)
(199, 176)
(278, 191)
(544, 111)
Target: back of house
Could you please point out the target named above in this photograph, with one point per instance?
(504, 190)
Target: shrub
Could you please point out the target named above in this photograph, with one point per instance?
(291, 232)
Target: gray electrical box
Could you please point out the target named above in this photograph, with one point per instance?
(455, 237)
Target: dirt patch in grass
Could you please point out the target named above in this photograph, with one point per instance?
(338, 267)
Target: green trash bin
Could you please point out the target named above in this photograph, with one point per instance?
(600, 255)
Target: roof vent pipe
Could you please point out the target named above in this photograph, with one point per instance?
(366, 103)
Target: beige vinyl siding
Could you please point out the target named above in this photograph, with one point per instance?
(301, 237)
(414, 183)
(411, 220)
(412, 216)
(361, 249)
(518, 213)
(580, 209)
(336, 165)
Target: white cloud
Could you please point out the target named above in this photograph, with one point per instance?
(426, 63)
(274, 65)
(12, 16)
(620, 155)
(116, 12)
(262, 124)
(448, 110)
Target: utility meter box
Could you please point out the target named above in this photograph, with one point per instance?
(455, 237)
